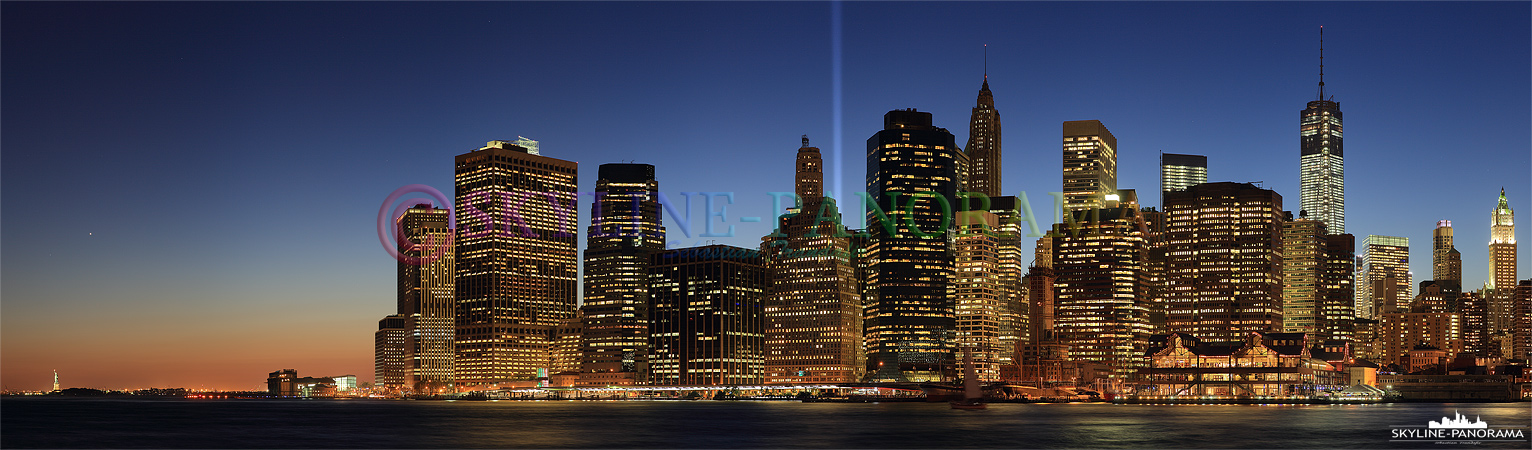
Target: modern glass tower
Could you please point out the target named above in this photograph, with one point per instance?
(1090, 164)
(814, 305)
(517, 261)
(1322, 176)
(625, 230)
(914, 172)
(1179, 172)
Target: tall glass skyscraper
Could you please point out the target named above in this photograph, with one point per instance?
(1322, 176)
(626, 228)
(517, 261)
(914, 172)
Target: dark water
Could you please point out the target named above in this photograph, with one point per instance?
(75, 423)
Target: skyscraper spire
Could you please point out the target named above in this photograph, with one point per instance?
(1321, 62)
(983, 147)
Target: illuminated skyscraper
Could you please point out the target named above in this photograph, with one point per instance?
(426, 299)
(1502, 266)
(1179, 172)
(1101, 312)
(1322, 178)
(983, 147)
(517, 261)
(1090, 164)
(1521, 329)
(625, 230)
(1446, 262)
(1223, 260)
(1015, 318)
(982, 300)
(1386, 278)
(1475, 326)
(1303, 265)
(814, 304)
(706, 318)
(914, 172)
(388, 352)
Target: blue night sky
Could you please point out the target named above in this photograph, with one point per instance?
(190, 189)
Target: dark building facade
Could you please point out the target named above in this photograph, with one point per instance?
(914, 173)
(517, 261)
(1337, 308)
(388, 352)
(707, 317)
(625, 230)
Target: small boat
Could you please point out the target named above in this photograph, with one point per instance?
(972, 397)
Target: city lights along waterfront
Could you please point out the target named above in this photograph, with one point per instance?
(592, 239)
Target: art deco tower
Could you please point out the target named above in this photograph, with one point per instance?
(813, 306)
(517, 260)
(625, 230)
(983, 147)
(1502, 265)
(1322, 177)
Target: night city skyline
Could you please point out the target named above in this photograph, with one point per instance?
(192, 188)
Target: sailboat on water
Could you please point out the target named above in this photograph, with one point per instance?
(973, 398)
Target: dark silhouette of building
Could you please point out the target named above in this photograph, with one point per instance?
(706, 317)
(626, 228)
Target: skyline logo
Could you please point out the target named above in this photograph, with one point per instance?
(1459, 422)
(1458, 430)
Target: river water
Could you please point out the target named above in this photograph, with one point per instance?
(185, 423)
